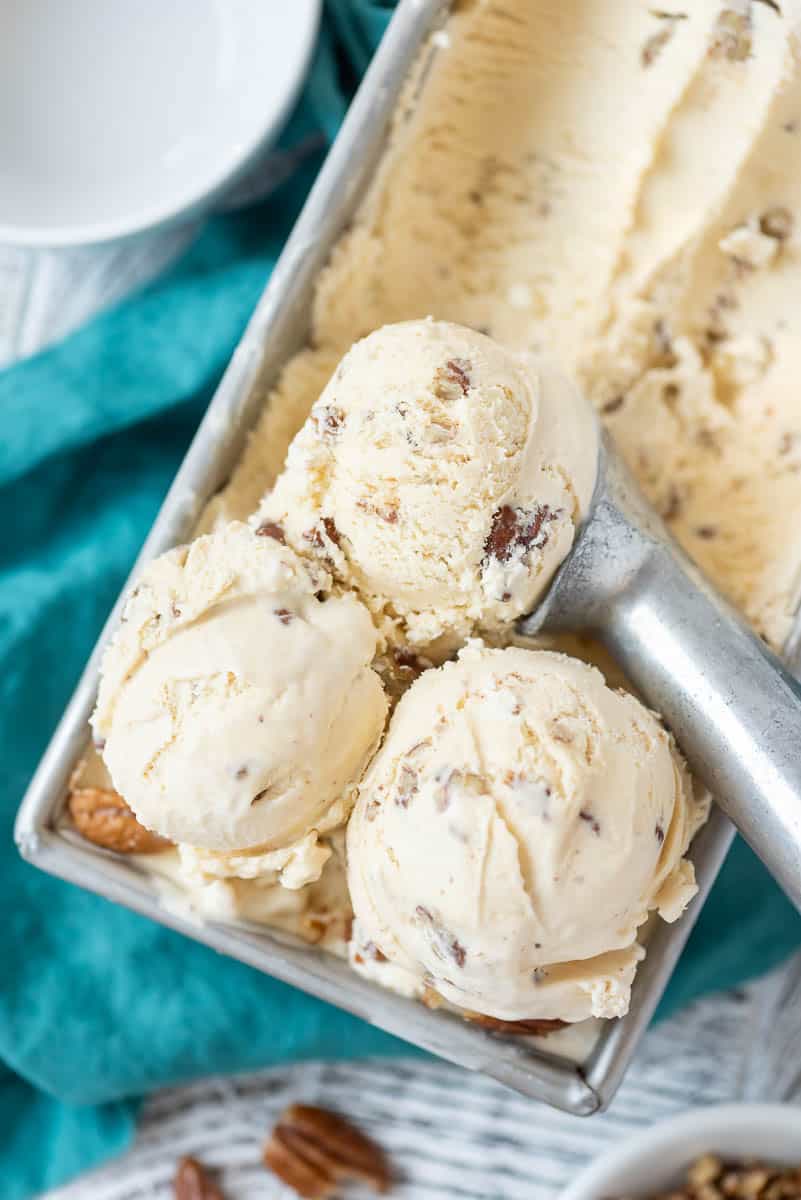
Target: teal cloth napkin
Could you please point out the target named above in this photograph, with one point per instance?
(98, 1005)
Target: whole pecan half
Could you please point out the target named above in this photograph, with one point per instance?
(102, 816)
(313, 1150)
(192, 1182)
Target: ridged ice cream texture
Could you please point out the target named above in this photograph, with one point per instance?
(238, 708)
(600, 183)
(441, 476)
(517, 827)
(575, 179)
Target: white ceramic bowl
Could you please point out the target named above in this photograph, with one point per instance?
(656, 1159)
(121, 115)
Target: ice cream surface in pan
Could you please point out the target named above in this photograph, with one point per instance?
(616, 187)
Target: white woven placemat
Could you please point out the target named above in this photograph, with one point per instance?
(452, 1134)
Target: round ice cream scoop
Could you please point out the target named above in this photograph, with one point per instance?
(237, 708)
(516, 828)
(441, 476)
(734, 709)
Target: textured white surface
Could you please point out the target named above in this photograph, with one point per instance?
(450, 1134)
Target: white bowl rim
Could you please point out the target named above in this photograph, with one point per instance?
(200, 196)
(692, 1132)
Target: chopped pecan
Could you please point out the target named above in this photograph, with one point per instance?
(407, 784)
(451, 781)
(664, 354)
(331, 531)
(776, 223)
(272, 529)
(704, 1171)
(444, 943)
(528, 1028)
(313, 1150)
(732, 38)
(385, 512)
(326, 528)
(452, 380)
(284, 615)
(672, 504)
(712, 1178)
(517, 528)
(371, 951)
(328, 420)
(102, 816)
(655, 44)
(590, 820)
(192, 1182)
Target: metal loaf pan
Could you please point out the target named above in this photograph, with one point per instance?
(277, 329)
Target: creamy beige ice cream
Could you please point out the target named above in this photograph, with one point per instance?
(237, 707)
(441, 476)
(617, 186)
(319, 912)
(513, 833)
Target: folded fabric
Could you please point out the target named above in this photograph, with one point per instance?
(98, 1005)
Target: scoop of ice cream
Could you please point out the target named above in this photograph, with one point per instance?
(440, 475)
(237, 708)
(515, 829)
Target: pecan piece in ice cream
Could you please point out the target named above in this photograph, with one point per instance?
(273, 530)
(313, 1150)
(533, 1028)
(328, 420)
(518, 530)
(453, 379)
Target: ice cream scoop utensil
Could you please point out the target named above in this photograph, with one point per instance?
(734, 709)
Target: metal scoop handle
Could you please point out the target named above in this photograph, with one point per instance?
(734, 709)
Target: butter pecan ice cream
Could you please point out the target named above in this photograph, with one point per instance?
(520, 822)
(238, 705)
(440, 475)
